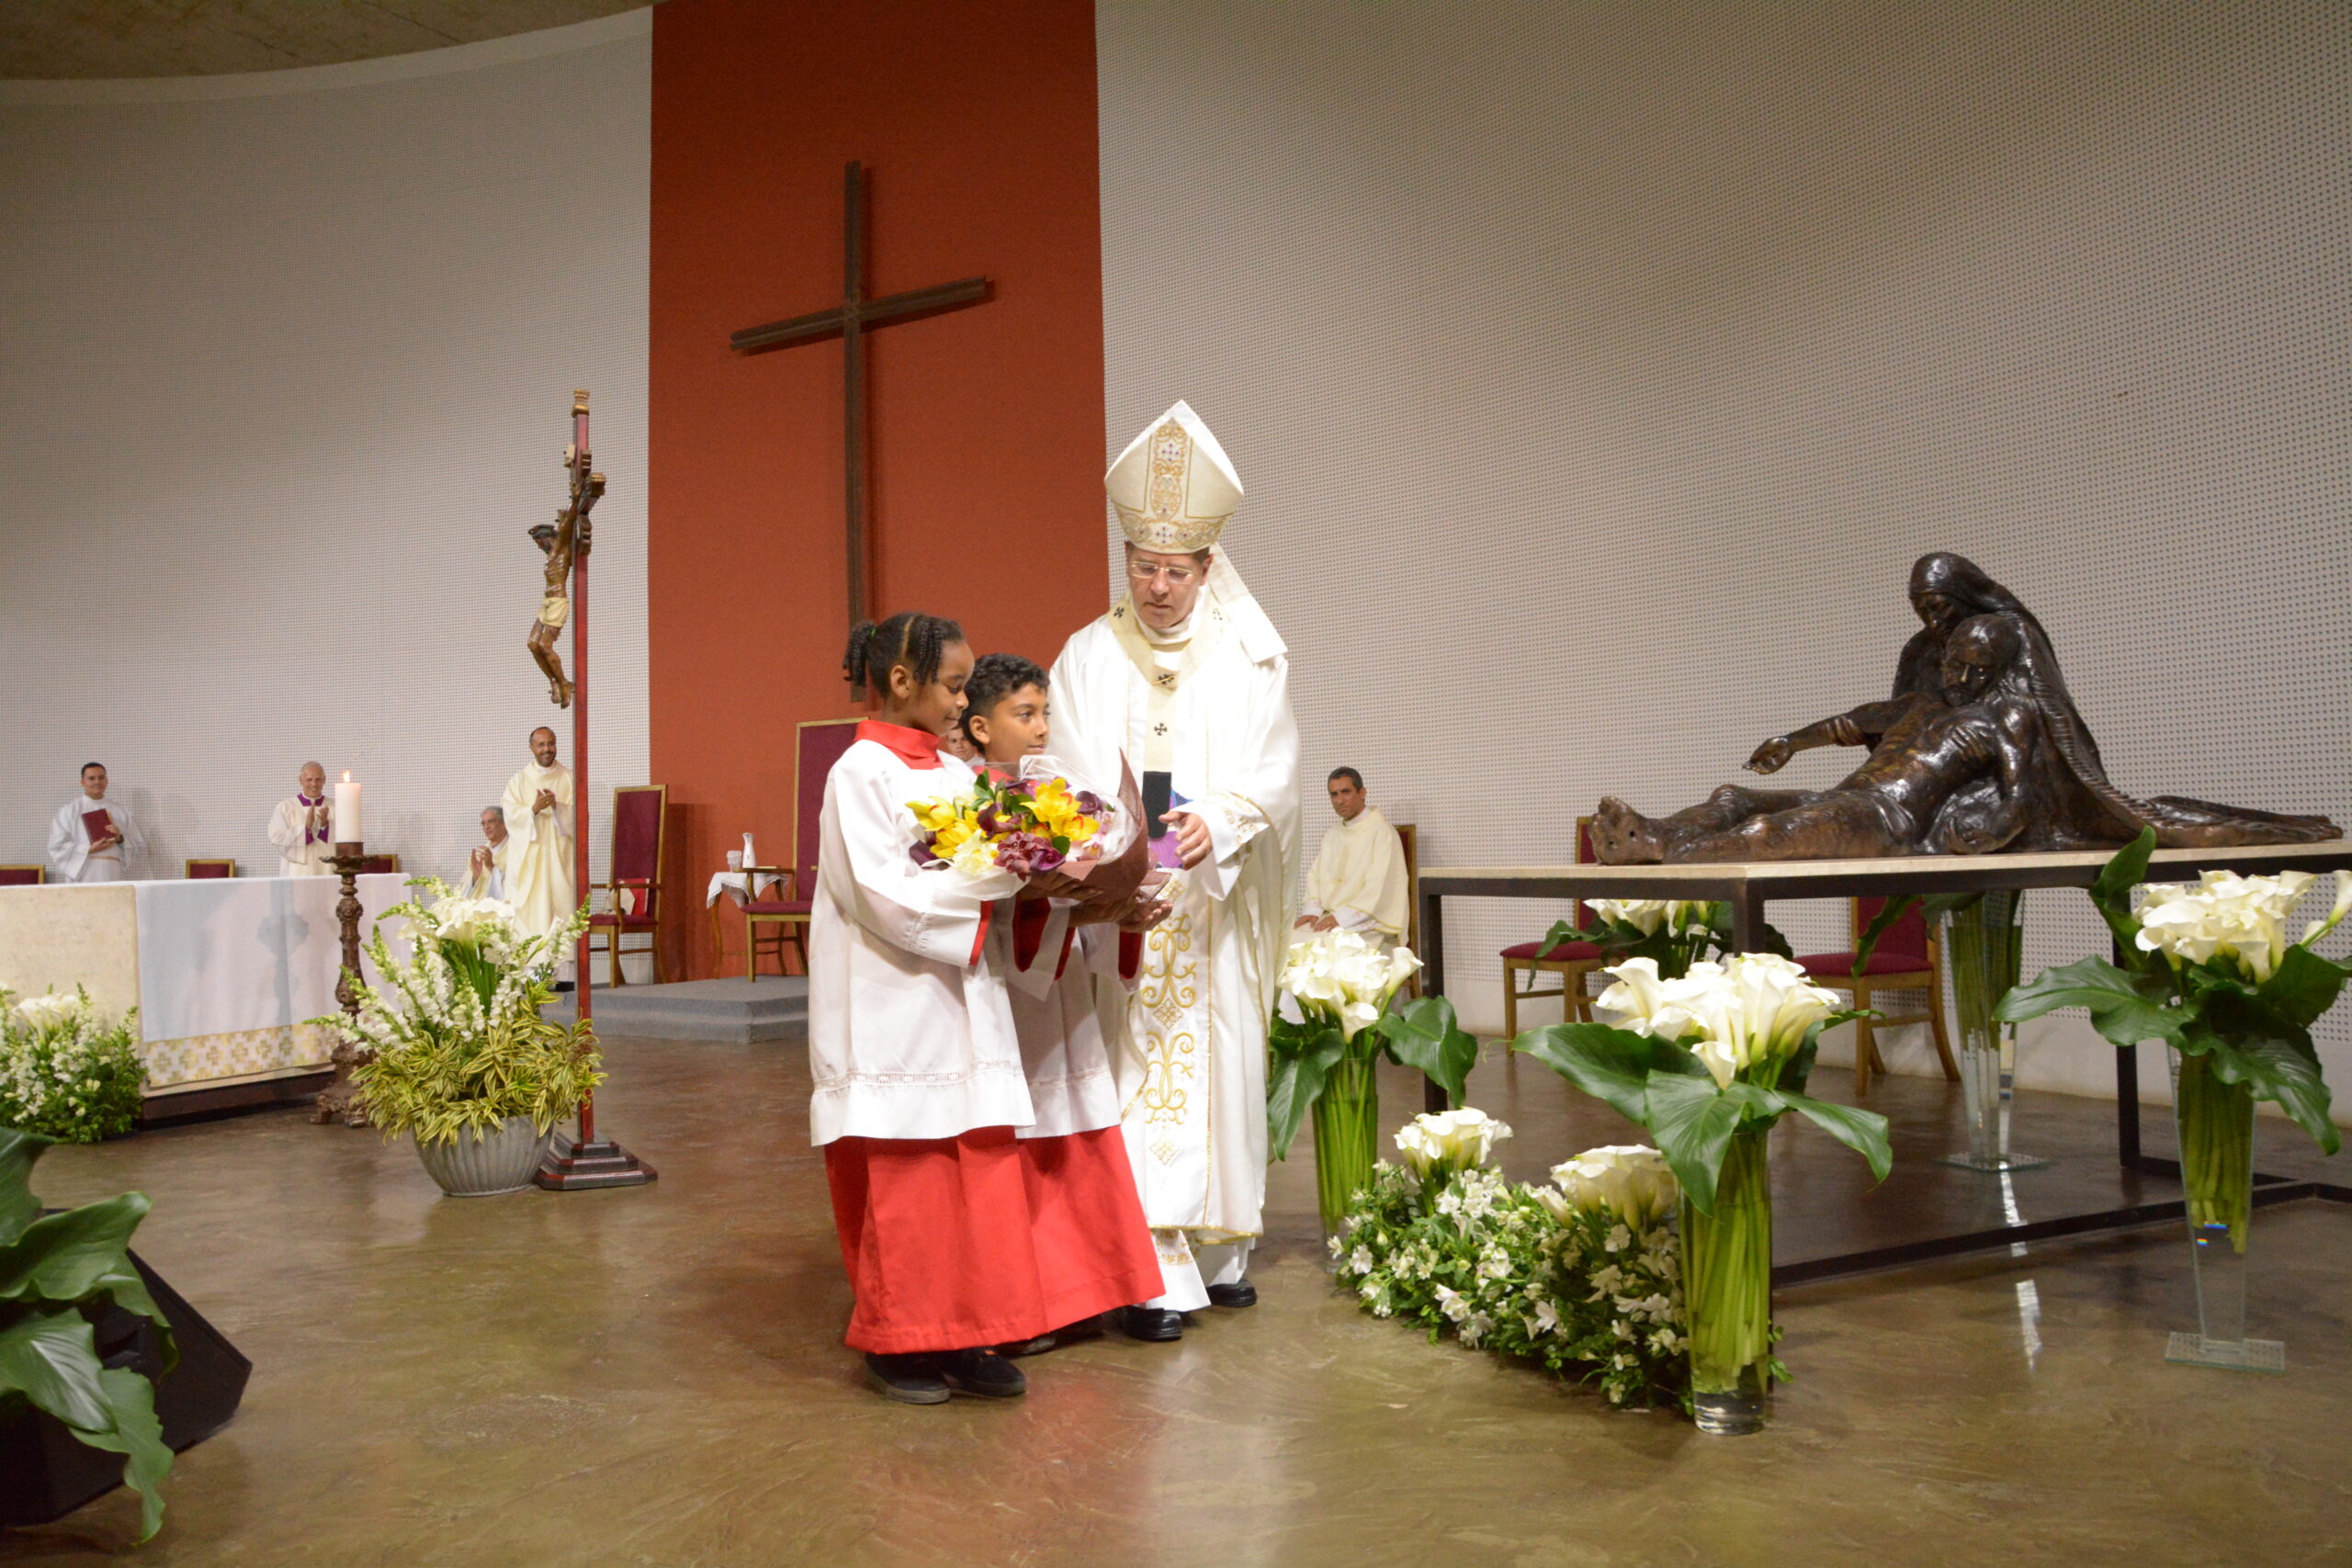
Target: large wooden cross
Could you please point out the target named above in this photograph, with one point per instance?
(849, 321)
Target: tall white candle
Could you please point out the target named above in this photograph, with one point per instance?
(346, 812)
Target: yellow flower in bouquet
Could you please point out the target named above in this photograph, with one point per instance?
(1060, 815)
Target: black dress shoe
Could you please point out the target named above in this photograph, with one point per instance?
(909, 1379)
(1240, 1294)
(1157, 1324)
(981, 1372)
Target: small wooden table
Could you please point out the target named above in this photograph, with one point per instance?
(1748, 886)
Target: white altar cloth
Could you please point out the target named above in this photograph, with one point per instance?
(224, 972)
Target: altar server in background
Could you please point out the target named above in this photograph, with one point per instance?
(92, 838)
(1188, 679)
(539, 828)
(1094, 1252)
(303, 826)
(1358, 882)
(485, 874)
(918, 1079)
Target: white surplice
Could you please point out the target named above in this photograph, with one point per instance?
(1065, 1054)
(491, 883)
(540, 883)
(911, 1032)
(1359, 877)
(1209, 704)
(297, 854)
(69, 843)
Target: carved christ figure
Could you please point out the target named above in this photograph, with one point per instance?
(2053, 794)
(562, 540)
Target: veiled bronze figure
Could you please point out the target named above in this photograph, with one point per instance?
(1980, 748)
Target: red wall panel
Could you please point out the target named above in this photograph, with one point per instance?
(976, 126)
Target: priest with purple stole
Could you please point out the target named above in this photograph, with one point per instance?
(303, 828)
(1189, 681)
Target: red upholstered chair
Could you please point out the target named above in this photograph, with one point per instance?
(206, 870)
(1572, 961)
(634, 878)
(23, 875)
(1905, 959)
(784, 909)
(379, 865)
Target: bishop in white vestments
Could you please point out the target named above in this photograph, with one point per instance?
(539, 807)
(76, 853)
(1360, 882)
(303, 826)
(1188, 680)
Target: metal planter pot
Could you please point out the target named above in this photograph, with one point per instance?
(484, 1167)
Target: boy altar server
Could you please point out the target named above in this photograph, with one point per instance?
(1188, 679)
(91, 838)
(1094, 1251)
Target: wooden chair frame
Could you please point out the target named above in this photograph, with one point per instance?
(1572, 971)
(612, 886)
(1865, 986)
(1408, 837)
(40, 874)
(188, 867)
(391, 864)
(790, 929)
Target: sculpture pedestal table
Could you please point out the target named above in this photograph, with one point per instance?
(1748, 886)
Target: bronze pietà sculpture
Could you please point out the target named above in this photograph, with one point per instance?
(1979, 749)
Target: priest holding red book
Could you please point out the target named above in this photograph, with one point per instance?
(92, 838)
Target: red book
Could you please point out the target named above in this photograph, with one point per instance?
(98, 824)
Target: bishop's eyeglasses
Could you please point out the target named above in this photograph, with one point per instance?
(1177, 576)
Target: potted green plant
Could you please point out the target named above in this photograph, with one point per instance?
(64, 1073)
(453, 1049)
(56, 1272)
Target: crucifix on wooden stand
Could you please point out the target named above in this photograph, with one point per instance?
(585, 1162)
(849, 321)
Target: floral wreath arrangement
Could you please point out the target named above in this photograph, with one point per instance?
(1581, 1276)
(453, 1041)
(65, 1074)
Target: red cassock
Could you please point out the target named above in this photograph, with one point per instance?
(986, 1238)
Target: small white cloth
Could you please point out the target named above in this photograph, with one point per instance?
(730, 883)
(69, 843)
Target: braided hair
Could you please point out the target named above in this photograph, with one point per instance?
(996, 676)
(909, 637)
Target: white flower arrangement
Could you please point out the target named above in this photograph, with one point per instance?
(1343, 979)
(1677, 916)
(2240, 920)
(1582, 1276)
(1752, 1009)
(65, 1073)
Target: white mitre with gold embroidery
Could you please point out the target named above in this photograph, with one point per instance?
(1173, 487)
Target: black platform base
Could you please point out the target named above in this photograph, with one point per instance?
(46, 1473)
(573, 1167)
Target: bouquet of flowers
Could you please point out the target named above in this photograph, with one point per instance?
(1582, 1273)
(1027, 826)
(454, 1039)
(1708, 1062)
(2208, 970)
(64, 1073)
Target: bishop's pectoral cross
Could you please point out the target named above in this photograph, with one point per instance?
(851, 320)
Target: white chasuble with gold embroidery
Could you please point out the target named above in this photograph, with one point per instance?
(1208, 705)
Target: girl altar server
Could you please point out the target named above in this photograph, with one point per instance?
(918, 1073)
(1094, 1252)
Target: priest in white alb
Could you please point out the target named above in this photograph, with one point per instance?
(538, 870)
(91, 838)
(303, 826)
(1187, 678)
(1359, 883)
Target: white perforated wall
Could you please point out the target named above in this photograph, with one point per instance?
(1597, 371)
(287, 369)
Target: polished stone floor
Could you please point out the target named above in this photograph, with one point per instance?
(654, 1377)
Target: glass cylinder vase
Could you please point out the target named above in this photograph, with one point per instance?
(1983, 945)
(1347, 1133)
(2216, 1124)
(1727, 1292)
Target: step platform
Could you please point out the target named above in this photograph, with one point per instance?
(736, 1010)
